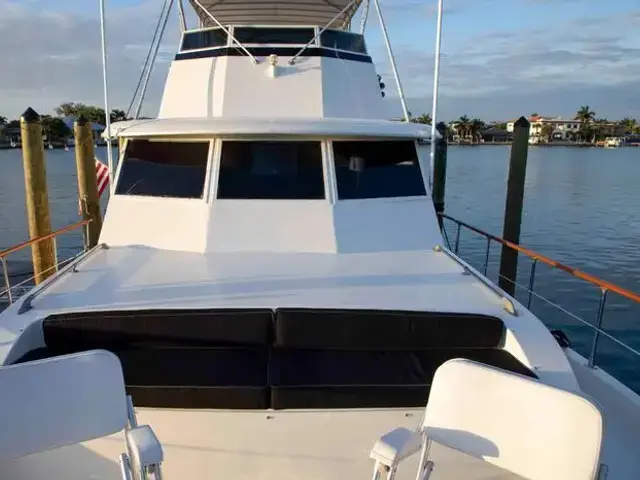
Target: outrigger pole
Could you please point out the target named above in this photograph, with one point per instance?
(107, 112)
(392, 60)
(436, 82)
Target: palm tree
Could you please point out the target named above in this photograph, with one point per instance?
(546, 131)
(600, 128)
(3, 120)
(630, 125)
(462, 126)
(424, 118)
(118, 115)
(475, 126)
(586, 116)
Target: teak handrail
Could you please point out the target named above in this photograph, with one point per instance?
(33, 241)
(603, 284)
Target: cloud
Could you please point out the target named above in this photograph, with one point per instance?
(505, 73)
(499, 71)
(56, 57)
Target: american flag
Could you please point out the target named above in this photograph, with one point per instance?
(102, 175)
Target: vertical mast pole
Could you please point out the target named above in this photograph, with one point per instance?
(107, 112)
(436, 83)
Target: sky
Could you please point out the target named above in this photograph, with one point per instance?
(500, 58)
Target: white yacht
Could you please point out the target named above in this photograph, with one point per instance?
(272, 296)
(612, 142)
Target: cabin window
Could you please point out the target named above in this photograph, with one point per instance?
(340, 40)
(212, 38)
(163, 169)
(377, 169)
(271, 170)
(290, 36)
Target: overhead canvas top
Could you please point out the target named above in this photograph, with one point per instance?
(281, 12)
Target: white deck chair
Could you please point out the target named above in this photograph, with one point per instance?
(60, 401)
(519, 424)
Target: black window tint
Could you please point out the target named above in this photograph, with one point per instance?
(204, 39)
(377, 169)
(339, 40)
(273, 35)
(271, 170)
(164, 169)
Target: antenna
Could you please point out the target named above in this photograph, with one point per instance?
(436, 81)
(107, 112)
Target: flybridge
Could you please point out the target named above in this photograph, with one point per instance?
(272, 71)
(307, 41)
(306, 60)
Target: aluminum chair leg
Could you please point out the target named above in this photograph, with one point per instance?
(428, 468)
(383, 472)
(425, 467)
(125, 467)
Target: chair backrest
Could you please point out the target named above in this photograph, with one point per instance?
(517, 423)
(60, 401)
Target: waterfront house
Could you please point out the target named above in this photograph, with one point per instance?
(96, 128)
(496, 135)
(611, 129)
(563, 129)
(9, 136)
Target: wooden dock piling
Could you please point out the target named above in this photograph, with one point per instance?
(513, 207)
(87, 180)
(440, 171)
(35, 180)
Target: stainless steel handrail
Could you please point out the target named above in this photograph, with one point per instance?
(605, 286)
(508, 304)
(9, 289)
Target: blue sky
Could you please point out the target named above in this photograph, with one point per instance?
(501, 58)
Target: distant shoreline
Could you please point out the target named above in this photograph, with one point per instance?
(545, 145)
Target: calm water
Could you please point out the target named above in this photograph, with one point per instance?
(582, 207)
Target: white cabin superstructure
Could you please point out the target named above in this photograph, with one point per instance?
(272, 278)
(333, 76)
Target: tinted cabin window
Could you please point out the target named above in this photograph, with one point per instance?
(271, 170)
(351, 42)
(273, 35)
(379, 169)
(204, 39)
(164, 169)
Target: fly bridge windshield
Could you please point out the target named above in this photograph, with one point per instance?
(153, 168)
(217, 38)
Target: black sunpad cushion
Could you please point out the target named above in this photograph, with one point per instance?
(346, 379)
(89, 330)
(384, 330)
(197, 377)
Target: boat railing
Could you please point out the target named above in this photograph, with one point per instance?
(605, 287)
(11, 292)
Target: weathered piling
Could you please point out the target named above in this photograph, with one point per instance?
(87, 180)
(440, 171)
(513, 207)
(35, 180)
